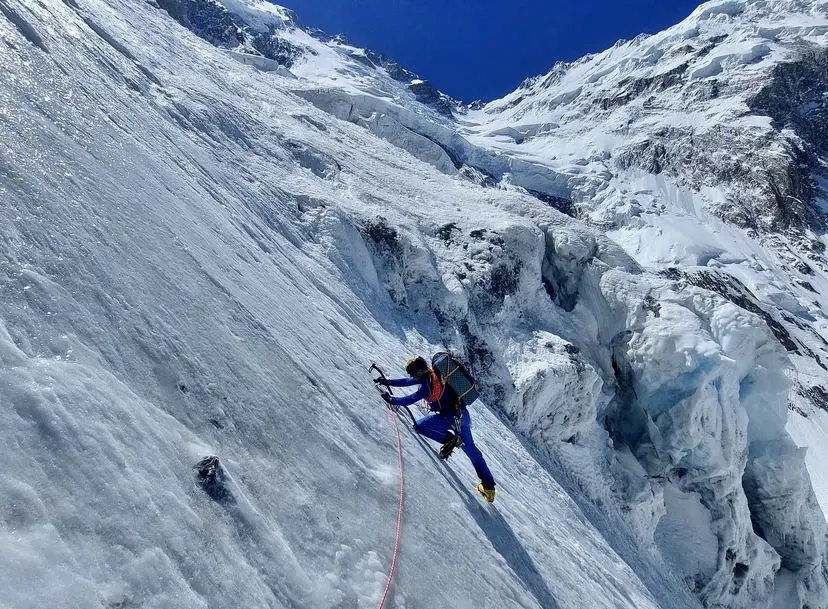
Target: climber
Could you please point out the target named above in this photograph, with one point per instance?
(447, 388)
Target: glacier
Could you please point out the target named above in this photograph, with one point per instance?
(214, 220)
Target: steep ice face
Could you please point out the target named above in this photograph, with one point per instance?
(198, 261)
(656, 141)
(689, 389)
(190, 268)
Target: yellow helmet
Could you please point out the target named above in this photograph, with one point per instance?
(416, 366)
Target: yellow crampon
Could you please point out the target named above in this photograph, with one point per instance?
(488, 493)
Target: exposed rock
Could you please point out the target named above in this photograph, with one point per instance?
(213, 22)
(211, 477)
(729, 287)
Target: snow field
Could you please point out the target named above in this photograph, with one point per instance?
(182, 271)
(666, 224)
(216, 262)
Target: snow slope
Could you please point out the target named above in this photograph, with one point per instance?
(172, 222)
(200, 258)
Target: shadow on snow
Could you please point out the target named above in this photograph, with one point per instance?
(499, 533)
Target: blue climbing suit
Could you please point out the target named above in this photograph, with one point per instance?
(437, 424)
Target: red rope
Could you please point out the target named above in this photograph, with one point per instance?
(393, 567)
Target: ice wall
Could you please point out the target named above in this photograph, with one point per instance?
(665, 402)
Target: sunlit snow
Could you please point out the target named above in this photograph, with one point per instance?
(202, 253)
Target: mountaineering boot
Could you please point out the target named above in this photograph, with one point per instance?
(452, 442)
(488, 493)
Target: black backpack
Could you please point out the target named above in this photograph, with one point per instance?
(455, 378)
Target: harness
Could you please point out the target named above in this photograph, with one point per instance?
(437, 392)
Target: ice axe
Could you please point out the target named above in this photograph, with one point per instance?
(373, 367)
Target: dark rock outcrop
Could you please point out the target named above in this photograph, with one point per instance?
(212, 478)
(218, 26)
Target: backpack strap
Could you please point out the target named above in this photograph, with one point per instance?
(436, 387)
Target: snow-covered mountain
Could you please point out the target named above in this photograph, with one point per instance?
(215, 220)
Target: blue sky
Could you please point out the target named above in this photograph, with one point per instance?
(482, 49)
